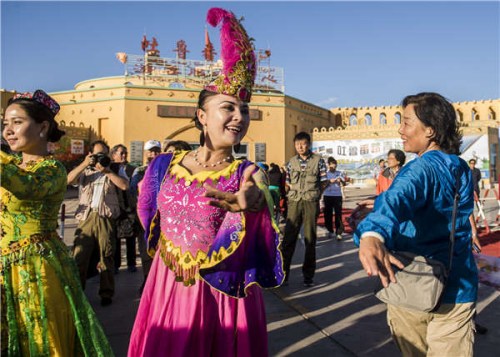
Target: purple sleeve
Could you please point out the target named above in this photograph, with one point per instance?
(245, 252)
(146, 202)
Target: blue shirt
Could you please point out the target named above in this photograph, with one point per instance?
(335, 188)
(137, 177)
(415, 215)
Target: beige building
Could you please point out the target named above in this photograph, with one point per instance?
(133, 109)
(383, 121)
(477, 119)
(127, 110)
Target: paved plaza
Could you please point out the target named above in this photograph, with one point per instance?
(339, 316)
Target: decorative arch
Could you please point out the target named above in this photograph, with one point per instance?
(178, 131)
(397, 118)
(382, 119)
(460, 115)
(62, 123)
(368, 119)
(353, 120)
(474, 114)
(492, 115)
(338, 119)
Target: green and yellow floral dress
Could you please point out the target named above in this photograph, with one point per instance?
(44, 311)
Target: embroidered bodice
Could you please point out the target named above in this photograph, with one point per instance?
(30, 197)
(188, 223)
(186, 217)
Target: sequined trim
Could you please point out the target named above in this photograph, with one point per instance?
(217, 256)
(184, 265)
(18, 160)
(17, 251)
(177, 171)
(20, 244)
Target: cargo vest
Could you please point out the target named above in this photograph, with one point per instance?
(304, 185)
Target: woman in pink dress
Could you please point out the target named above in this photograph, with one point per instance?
(208, 223)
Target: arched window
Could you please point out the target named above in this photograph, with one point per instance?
(491, 114)
(474, 114)
(460, 116)
(397, 118)
(382, 119)
(368, 119)
(353, 120)
(338, 120)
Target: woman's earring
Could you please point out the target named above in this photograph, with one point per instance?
(202, 139)
(41, 135)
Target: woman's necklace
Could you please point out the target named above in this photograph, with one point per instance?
(28, 165)
(195, 156)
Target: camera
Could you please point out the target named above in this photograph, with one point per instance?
(102, 159)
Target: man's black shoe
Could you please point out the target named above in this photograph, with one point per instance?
(308, 283)
(106, 301)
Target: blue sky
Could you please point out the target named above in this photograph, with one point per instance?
(334, 54)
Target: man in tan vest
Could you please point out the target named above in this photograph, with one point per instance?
(97, 210)
(305, 181)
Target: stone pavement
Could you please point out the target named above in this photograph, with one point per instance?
(337, 317)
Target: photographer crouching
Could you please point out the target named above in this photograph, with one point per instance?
(96, 213)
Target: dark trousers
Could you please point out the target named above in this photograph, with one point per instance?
(306, 213)
(333, 203)
(131, 251)
(146, 260)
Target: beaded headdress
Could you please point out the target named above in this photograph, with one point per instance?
(38, 96)
(238, 59)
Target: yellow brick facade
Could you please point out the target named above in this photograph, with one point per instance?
(124, 109)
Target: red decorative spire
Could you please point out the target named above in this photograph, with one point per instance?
(181, 49)
(144, 43)
(154, 44)
(208, 51)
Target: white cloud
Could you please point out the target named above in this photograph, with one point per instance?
(327, 102)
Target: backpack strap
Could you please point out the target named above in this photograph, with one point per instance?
(454, 218)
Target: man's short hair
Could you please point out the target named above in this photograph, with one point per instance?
(302, 136)
(331, 160)
(472, 161)
(98, 142)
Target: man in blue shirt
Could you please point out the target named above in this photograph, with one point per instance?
(333, 199)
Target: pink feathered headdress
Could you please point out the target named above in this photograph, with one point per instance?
(238, 58)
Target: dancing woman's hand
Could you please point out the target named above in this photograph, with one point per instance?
(248, 198)
(377, 260)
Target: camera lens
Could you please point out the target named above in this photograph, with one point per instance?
(103, 160)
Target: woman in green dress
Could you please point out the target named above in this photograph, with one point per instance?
(44, 311)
